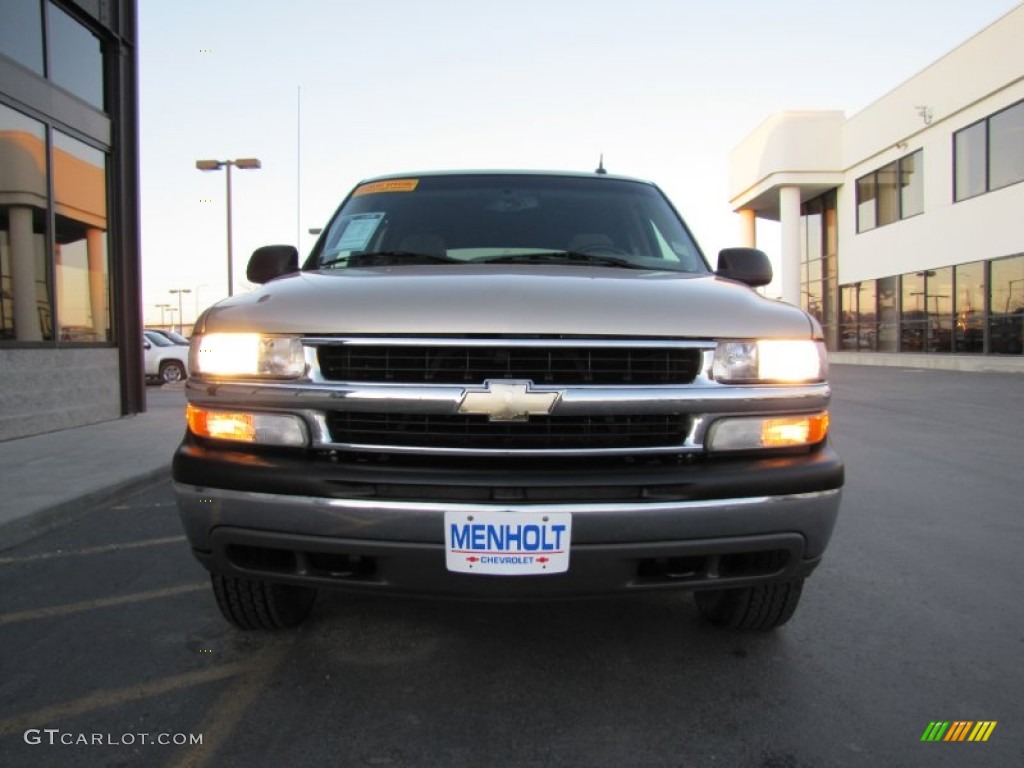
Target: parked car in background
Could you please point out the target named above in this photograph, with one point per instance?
(175, 338)
(165, 361)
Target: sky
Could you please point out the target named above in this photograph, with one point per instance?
(328, 92)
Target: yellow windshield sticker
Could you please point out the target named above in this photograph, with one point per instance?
(393, 185)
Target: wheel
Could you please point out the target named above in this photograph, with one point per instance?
(762, 607)
(172, 371)
(257, 604)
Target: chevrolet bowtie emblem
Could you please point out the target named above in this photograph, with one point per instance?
(508, 401)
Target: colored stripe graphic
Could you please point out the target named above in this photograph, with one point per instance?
(982, 730)
(958, 730)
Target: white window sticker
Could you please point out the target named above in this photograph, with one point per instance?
(358, 231)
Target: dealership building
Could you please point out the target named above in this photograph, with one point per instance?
(70, 319)
(902, 227)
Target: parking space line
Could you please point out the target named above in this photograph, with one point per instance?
(232, 705)
(103, 602)
(93, 550)
(48, 715)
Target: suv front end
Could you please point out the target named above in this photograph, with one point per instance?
(484, 418)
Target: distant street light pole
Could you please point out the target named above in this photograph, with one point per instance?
(198, 288)
(163, 310)
(216, 165)
(181, 316)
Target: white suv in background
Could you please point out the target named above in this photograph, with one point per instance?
(166, 362)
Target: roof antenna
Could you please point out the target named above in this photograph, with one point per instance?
(600, 166)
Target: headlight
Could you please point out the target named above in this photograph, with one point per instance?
(247, 354)
(770, 360)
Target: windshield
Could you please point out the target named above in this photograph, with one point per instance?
(508, 219)
(177, 338)
(157, 340)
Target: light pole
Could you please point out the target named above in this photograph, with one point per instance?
(163, 313)
(198, 288)
(181, 316)
(216, 165)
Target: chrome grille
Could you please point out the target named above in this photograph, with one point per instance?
(477, 432)
(559, 365)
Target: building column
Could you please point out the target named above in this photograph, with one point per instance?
(789, 215)
(23, 275)
(748, 228)
(96, 248)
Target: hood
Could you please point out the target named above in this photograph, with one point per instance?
(508, 300)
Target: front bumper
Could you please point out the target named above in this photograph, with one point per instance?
(398, 547)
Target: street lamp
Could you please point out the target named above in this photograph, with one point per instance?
(216, 165)
(181, 316)
(199, 288)
(163, 313)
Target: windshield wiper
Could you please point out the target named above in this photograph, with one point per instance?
(564, 257)
(387, 258)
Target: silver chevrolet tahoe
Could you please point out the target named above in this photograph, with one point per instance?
(507, 385)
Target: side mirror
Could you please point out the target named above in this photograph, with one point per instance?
(146, 345)
(272, 261)
(746, 265)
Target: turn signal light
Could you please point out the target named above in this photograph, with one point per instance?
(752, 433)
(794, 430)
(246, 427)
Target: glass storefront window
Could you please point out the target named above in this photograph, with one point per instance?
(812, 243)
(1006, 147)
(815, 271)
(888, 195)
(24, 284)
(911, 184)
(969, 150)
(819, 294)
(815, 301)
(967, 309)
(867, 320)
(888, 319)
(1006, 318)
(913, 313)
(848, 317)
(939, 303)
(893, 192)
(76, 56)
(859, 324)
(80, 251)
(866, 203)
(21, 33)
(969, 325)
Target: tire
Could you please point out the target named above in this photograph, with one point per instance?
(256, 604)
(762, 607)
(171, 371)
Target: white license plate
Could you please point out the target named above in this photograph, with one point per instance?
(507, 543)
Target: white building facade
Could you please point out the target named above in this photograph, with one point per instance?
(902, 227)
